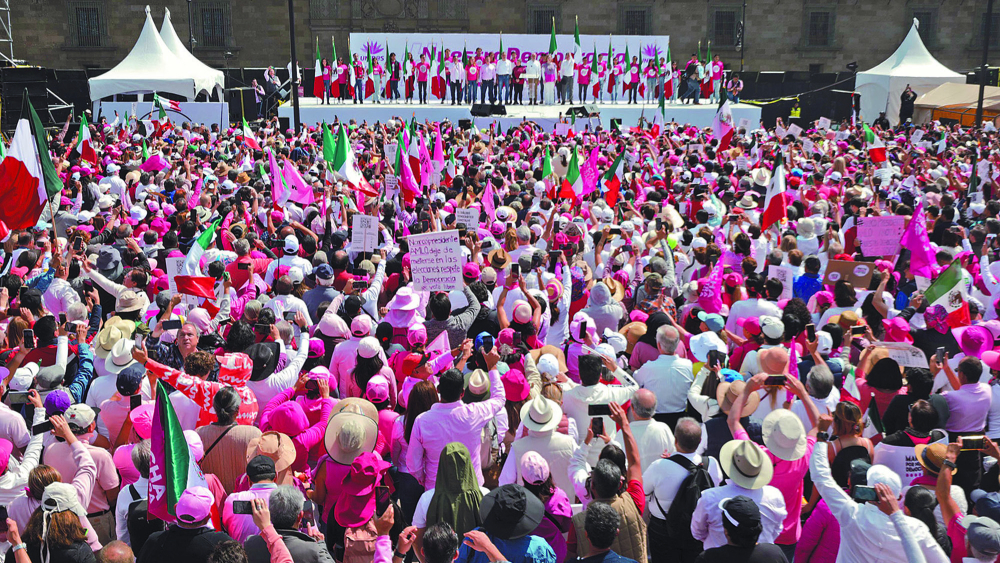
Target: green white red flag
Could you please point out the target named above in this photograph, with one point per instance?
(28, 179)
(172, 468)
(83, 142)
(949, 291)
(876, 148)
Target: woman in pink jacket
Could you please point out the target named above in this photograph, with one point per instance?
(284, 415)
(820, 538)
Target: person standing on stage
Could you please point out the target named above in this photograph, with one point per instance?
(488, 74)
(632, 79)
(423, 74)
(471, 81)
(504, 86)
(532, 73)
(615, 71)
(651, 78)
(675, 77)
(359, 80)
(445, 73)
(550, 73)
(568, 71)
(394, 71)
(716, 68)
(343, 79)
(258, 92)
(457, 71)
(583, 78)
(517, 77)
(663, 75)
(408, 78)
(325, 66)
(378, 75)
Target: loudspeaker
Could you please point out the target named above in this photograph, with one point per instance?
(578, 111)
(480, 110)
(242, 101)
(464, 124)
(616, 121)
(498, 109)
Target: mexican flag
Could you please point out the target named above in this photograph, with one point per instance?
(247, 135)
(876, 148)
(553, 46)
(334, 80)
(949, 292)
(577, 47)
(595, 73)
(774, 198)
(450, 170)
(192, 264)
(318, 78)
(668, 80)
(28, 179)
(370, 82)
(339, 157)
(83, 142)
(408, 183)
(172, 468)
(613, 180)
(413, 155)
(722, 125)
(437, 80)
(199, 286)
(572, 184)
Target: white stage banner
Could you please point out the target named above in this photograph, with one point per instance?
(206, 113)
(517, 45)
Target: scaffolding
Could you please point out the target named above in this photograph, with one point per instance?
(6, 35)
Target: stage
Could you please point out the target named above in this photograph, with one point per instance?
(312, 112)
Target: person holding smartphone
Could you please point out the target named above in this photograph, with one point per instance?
(14, 479)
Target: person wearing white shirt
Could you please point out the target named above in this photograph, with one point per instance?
(567, 70)
(142, 456)
(504, 86)
(578, 398)
(532, 73)
(664, 477)
(457, 76)
(654, 438)
(668, 376)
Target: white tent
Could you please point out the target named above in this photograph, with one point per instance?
(206, 77)
(912, 64)
(149, 67)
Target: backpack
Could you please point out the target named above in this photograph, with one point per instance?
(682, 509)
(139, 525)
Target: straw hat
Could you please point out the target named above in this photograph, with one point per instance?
(114, 330)
(616, 287)
(274, 445)
(541, 414)
(352, 431)
(727, 393)
(746, 464)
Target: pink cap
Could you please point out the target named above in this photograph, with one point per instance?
(194, 505)
(378, 389)
(515, 385)
(522, 311)
(6, 448)
(195, 445)
(417, 335)
(534, 468)
(142, 420)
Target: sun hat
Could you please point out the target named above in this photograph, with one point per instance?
(510, 512)
(727, 393)
(115, 329)
(265, 357)
(974, 340)
(897, 329)
(120, 356)
(194, 505)
(773, 360)
(142, 420)
(747, 202)
(701, 344)
(477, 385)
(784, 434)
(128, 301)
(515, 385)
(746, 464)
(351, 431)
(534, 468)
(404, 300)
(356, 502)
(932, 456)
(275, 445)
(541, 414)
(498, 259)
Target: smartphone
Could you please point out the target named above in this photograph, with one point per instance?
(62, 319)
(78, 244)
(515, 270)
(599, 410)
(243, 266)
(139, 339)
(18, 397)
(775, 381)
(940, 354)
(583, 330)
(173, 324)
(20, 293)
(289, 316)
(3, 519)
(811, 332)
(615, 231)
(242, 507)
(973, 443)
(134, 402)
(659, 223)
(487, 344)
(262, 328)
(864, 493)
(382, 499)
(597, 425)
(733, 217)
(857, 331)
(41, 428)
(29, 338)
(517, 339)
(713, 358)
(360, 285)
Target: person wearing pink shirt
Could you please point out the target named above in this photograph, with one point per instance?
(583, 79)
(632, 78)
(423, 73)
(261, 473)
(601, 78)
(652, 75)
(715, 71)
(472, 76)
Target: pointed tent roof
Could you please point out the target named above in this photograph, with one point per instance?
(206, 77)
(913, 59)
(149, 67)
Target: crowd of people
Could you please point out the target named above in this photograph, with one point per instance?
(620, 376)
(535, 79)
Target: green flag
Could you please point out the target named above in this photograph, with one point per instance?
(501, 43)
(628, 58)
(553, 46)
(577, 46)
(406, 53)
(172, 466)
(162, 113)
(547, 165)
(371, 63)
(593, 63)
(611, 54)
(333, 42)
(465, 56)
(145, 150)
(699, 50)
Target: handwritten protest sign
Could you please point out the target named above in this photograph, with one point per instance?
(364, 233)
(391, 151)
(808, 146)
(879, 236)
(780, 132)
(436, 261)
(858, 273)
(906, 356)
(391, 183)
(784, 274)
(741, 163)
(794, 130)
(823, 123)
(469, 217)
(562, 128)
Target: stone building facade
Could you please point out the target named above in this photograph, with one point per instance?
(800, 35)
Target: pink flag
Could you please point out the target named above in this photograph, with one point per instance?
(710, 290)
(440, 353)
(300, 191)
(425, 162)
(438, 165)
(588, 172)
(922, 257)
(407, 181)
(279, 194)
(488, 204)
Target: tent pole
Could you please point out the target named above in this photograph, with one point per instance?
(984, 69)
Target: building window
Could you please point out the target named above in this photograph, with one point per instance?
(994, 30)
(927, 26)
(633, 21)
(820, 30)
(725, 24)
(214, 23)
(540, 20)
(322, 9)
(88, 24)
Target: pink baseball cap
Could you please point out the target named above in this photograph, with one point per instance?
(515, 385)
(417, 335)
(142, 420)
(534, 468)
(194, 505)
(378, 389)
